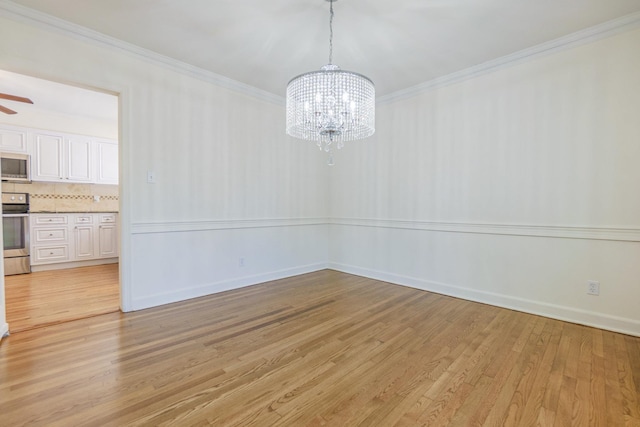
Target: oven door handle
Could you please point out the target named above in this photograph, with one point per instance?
(14, 215)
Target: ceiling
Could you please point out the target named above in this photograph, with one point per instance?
(397, 43)
(51, 97)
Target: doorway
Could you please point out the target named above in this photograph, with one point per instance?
(71, 137)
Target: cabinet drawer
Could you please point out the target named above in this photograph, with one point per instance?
(107, 218)
(51, 253)
(48, 235)
(84, 219)
(50, 219)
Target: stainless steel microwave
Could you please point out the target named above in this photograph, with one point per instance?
(15, 167)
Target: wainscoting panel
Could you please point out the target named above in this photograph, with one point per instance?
(540, 275)
(175, 265)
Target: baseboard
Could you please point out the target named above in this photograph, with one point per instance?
(221, 286)
(568, 314)
(75, 264)
(4, 330)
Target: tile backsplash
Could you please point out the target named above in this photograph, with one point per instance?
(65, 197)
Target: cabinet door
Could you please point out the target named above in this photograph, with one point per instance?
(107, 162)
(13, 140)
(48, 158)
(108, 240)
(79, 159)
(84, 243)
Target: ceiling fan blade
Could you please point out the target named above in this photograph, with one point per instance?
(15, 98)
(6, 110)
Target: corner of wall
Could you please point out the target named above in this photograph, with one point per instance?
(4, 330)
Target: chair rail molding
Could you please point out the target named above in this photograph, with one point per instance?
(226, 224)
(553, 231)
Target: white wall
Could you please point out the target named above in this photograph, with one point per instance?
(230, 184)
(514, 188)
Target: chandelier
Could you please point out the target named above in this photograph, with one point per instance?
(330, 106)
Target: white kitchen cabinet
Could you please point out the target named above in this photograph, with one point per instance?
(58, 158)
(61, 157)
(47, 157)
(107, 160)
(49, 238)
(84, 237)
(79, 159)
(13, 139)
(107, 236)
(73, 237)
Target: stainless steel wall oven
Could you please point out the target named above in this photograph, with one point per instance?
(15, 228)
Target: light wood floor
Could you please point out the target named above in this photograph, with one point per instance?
(325, 348)
(49, 297)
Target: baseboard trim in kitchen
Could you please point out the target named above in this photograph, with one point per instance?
(74, 264)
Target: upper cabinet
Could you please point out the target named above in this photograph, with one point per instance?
(57, 156)
(13, 139)
(79, 158)
(107, 159)
(47, 158)
(61, 157)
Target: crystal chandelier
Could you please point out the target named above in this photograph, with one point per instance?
(330, 106)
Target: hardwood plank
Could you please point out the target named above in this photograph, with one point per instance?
(324, 348)
(50, 297)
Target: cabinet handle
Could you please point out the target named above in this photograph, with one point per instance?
(50, 253)
(50, 234)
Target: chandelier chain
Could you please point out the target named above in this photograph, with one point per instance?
(330, 31)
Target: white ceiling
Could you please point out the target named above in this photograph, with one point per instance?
(51, 96)
(397, 43)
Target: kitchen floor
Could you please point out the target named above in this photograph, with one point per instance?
(55, 296)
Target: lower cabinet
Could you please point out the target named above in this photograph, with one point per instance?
(107, 241)
(84, 237)
(57, 238)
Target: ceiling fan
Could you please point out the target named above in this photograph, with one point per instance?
(12, 98)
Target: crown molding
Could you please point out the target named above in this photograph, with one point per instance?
(30, 16)
(44, 21)
(588, 35)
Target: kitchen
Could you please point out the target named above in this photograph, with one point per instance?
(60, 200)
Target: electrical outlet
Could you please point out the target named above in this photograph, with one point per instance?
(593, 287)
(151, 177)
(240, 262)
